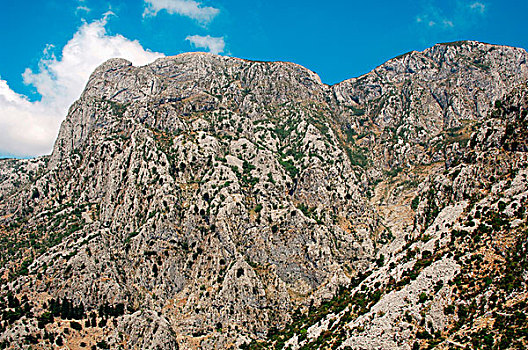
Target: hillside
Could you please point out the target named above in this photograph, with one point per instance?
(211, 202)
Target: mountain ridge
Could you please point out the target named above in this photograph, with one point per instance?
(207, 202)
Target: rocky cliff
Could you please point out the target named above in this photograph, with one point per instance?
(212, 202)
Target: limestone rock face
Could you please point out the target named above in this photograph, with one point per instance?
(213, 202)
(411, 99)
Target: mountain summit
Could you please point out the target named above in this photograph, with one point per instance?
(209, 202)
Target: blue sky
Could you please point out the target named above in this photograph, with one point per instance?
(49, 48)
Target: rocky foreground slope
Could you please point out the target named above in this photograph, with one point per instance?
(212, 202)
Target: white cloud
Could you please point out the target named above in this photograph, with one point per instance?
(434, 21)
(438, 17)
(188, 8)
(26, 128)
(478, 6)
(214, 45)
(29, 128)
(433, 17)
(448, 24)
(82, 9)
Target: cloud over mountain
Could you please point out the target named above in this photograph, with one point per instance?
(188, 8)
(29, 128)
(215, 45)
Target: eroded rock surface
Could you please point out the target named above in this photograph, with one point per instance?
(212, 202)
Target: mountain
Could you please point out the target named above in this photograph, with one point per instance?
(209, 202)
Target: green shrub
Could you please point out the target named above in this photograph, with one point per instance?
(422, 298)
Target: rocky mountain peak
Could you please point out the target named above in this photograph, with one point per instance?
(211, 202)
